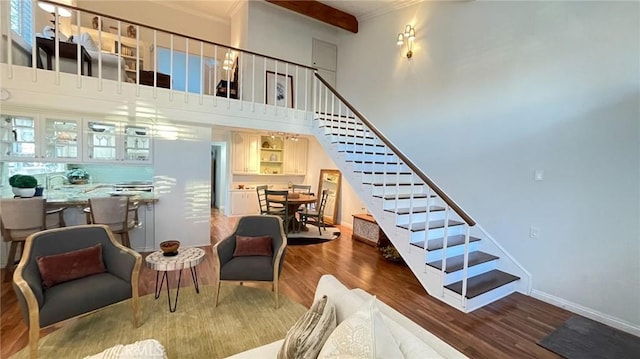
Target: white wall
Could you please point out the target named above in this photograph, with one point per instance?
(182, 180)
(496, 90)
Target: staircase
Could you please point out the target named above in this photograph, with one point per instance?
(454, 259)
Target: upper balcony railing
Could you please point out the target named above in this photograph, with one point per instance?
(109, 48)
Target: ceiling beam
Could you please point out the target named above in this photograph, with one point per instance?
(321, 12)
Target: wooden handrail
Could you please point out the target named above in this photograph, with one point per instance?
(176, 34)
(465, 217)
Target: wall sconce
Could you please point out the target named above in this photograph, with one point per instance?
(407, 38)
(227, 64)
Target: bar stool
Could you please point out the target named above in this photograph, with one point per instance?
(114, 212)
(21, 217)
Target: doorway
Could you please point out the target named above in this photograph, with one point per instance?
(218, 174)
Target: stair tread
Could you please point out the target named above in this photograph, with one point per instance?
(404, 196)
(360, 144)
(432, 225)
(378, 184)
(483, 283)
(437, 243)
(456, 263)
(382, 173)
(416, 210)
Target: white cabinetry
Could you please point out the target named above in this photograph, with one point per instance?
(244, 202)
(295, 157)
(31, 137)
(113, 141)
(244, 151)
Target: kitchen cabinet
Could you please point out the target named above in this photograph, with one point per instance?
(244, 202)
(244, 151)
(295, 157)
(31, 137)
(113, 141)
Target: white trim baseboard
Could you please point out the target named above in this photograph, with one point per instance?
(587, 312)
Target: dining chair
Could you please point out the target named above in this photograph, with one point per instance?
(262, 202)
(21, 217)
(285, 212)
(114, 212)
(301, 188)
(319, 214)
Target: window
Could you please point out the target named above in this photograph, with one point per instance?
(21, 19)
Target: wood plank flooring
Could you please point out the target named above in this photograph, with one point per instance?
(508, 328)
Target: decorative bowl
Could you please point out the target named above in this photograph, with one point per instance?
(170, 246)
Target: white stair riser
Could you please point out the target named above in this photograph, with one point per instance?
(352, 147)
(437, 233)
(368, 157)
(349, 131)
(393, 190)
(419, 217)
(471, 272)
(368, 140)
(378, 167)
(386, 178)
(451, 252)
(489, 297)
(392, 204)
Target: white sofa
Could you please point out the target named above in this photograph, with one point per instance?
(348, 301)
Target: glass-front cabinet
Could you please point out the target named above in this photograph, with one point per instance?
(62, 139)
(28, 137)
(18, 137)
(112, 141)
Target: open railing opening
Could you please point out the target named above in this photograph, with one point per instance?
(66, 39)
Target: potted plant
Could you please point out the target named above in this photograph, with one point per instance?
(23, 185)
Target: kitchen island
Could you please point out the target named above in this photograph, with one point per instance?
(76, 198)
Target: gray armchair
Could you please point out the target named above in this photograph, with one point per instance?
(42, 306)
(252, 268)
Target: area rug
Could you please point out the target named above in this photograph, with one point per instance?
(582, 338)
(312, 236)
(245, 318)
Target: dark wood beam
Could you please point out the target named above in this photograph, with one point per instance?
(321, 12)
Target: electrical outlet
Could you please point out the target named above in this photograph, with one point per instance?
(534, 232)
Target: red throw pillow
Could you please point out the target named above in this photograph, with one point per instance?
(253, 246)
(63, 267)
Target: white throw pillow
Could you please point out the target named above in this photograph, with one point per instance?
(85, 40)
(363, 335)
(307, 336)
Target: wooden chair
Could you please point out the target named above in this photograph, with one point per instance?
(319, 214)
(114, 212)
(280, 209)
(262, 202)
(21, 217)
(44, 306)
(254, 268)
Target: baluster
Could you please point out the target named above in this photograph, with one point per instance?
(426, 224)
(215, 75)
(465, 265)
(155, 64)
(171, 66)
(201, 69)
(253, 82)
(445, 238)
(78, 51)
(186, 70)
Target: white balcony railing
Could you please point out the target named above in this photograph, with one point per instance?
(107, 48)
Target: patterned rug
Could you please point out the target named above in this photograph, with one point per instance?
(312, 236)
(245, 318)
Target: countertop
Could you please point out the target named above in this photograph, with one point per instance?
(80, 194)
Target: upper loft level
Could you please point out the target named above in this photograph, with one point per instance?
(70, 59)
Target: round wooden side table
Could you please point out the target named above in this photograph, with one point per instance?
(186, 258)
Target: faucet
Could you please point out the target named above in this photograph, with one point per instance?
(48, 180)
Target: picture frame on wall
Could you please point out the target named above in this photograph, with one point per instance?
(279, 89)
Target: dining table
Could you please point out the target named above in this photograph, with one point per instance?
(293, 204)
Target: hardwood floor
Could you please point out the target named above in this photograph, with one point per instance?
(508, 328)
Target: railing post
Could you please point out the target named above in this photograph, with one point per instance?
(445, 238)
(426, 224)
(465, 265)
